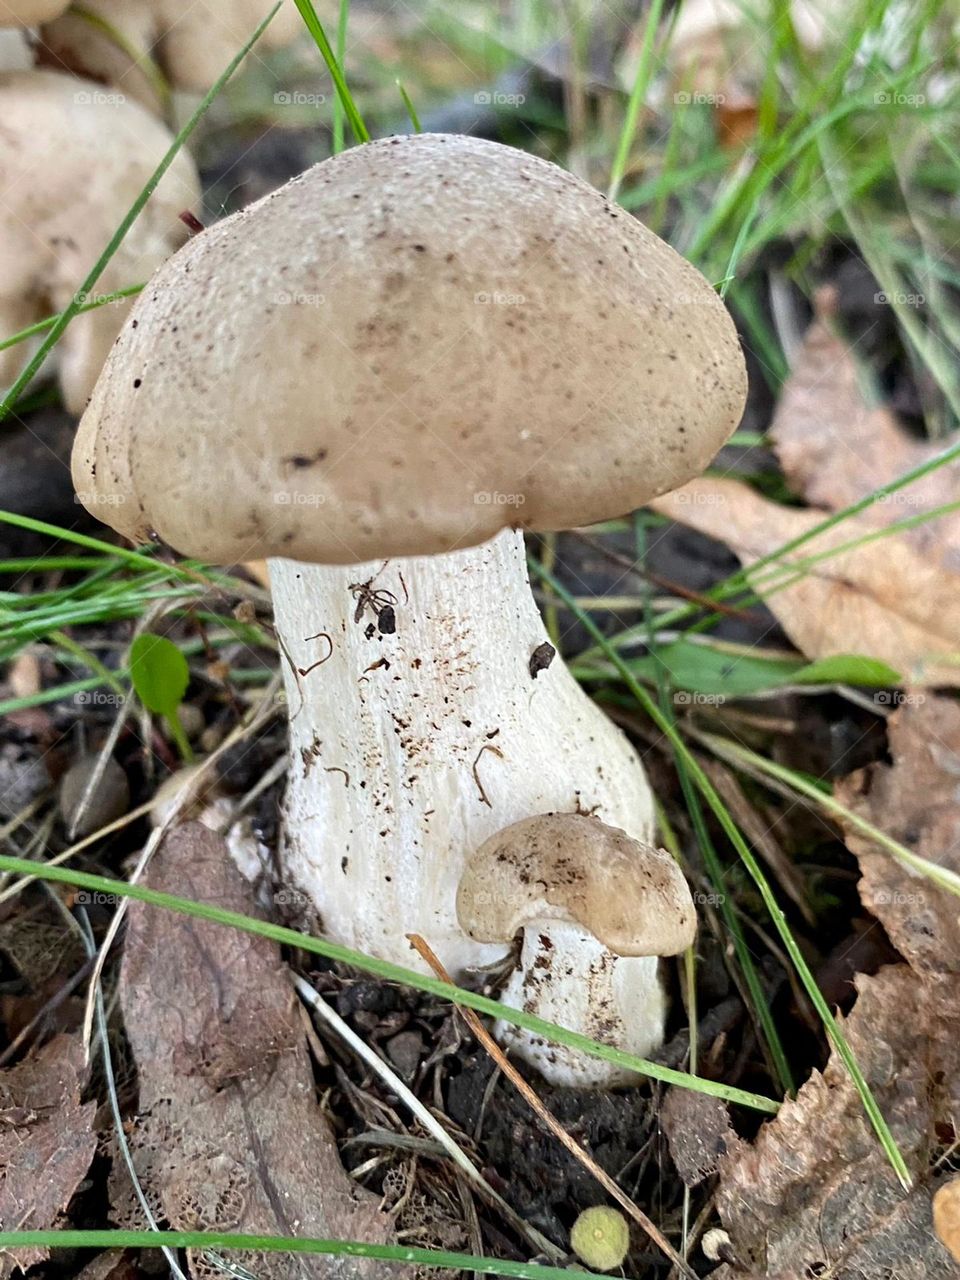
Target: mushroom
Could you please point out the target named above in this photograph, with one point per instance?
(73, 159)
(29, 13)
(377, 377)
(191, 40)
(596, 910)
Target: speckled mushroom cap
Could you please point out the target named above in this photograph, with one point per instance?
(28, 13)
(566, 866)
(404, 350)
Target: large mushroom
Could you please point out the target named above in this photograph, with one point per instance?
(73, 159)
(377, 377)
(191, 40)
(596, 909)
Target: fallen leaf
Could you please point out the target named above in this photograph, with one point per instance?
(915, 800)
(229, 1133)
(884, 599)
(46, 1143)
(698, 1133)
(814, 1194)
(835, 447)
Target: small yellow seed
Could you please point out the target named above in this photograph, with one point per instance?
(601, 1238)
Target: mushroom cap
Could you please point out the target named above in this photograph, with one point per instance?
(192, 40)
(29, 13)
(632, 897)
(74, 156)
(406, 349)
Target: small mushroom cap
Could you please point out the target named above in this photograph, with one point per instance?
(29, 13)
(408, 348)
(566, 866)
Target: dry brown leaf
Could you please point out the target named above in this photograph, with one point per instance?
(884, 599)
(814, 1195)
(698, 1133)
(46, 1143)
(229, 1135)
(915, 800)
(835, 448)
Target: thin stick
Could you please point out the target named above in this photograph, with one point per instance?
(553, 1124)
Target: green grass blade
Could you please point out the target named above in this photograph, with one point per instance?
(638, 96)
(315, 27)
(217, 1240)
(65, 316)
(343, 17)
(385, 970)
(41, 326)
(410, 108)
(709, 793)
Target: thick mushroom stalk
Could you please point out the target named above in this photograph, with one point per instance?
(596, 908)
(418, 730)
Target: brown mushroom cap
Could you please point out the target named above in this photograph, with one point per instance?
(415, 344)
(28, 13)
(565, 866)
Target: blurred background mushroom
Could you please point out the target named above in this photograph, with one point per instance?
(596, 910)
(363, 413)
(63, 140)
(147, 47)
(29, 13)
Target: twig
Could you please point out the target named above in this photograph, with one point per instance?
(551, 1122)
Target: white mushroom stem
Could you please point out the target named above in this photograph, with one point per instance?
(566, 976)
(408, 750)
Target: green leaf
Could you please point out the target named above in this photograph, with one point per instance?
(159, 673)
(849, 668)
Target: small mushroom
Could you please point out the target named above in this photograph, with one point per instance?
(191, 40)
(73, 159)
(393, 365)
(596, 910)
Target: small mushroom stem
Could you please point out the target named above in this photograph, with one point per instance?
(566, 976)
(418, 731)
